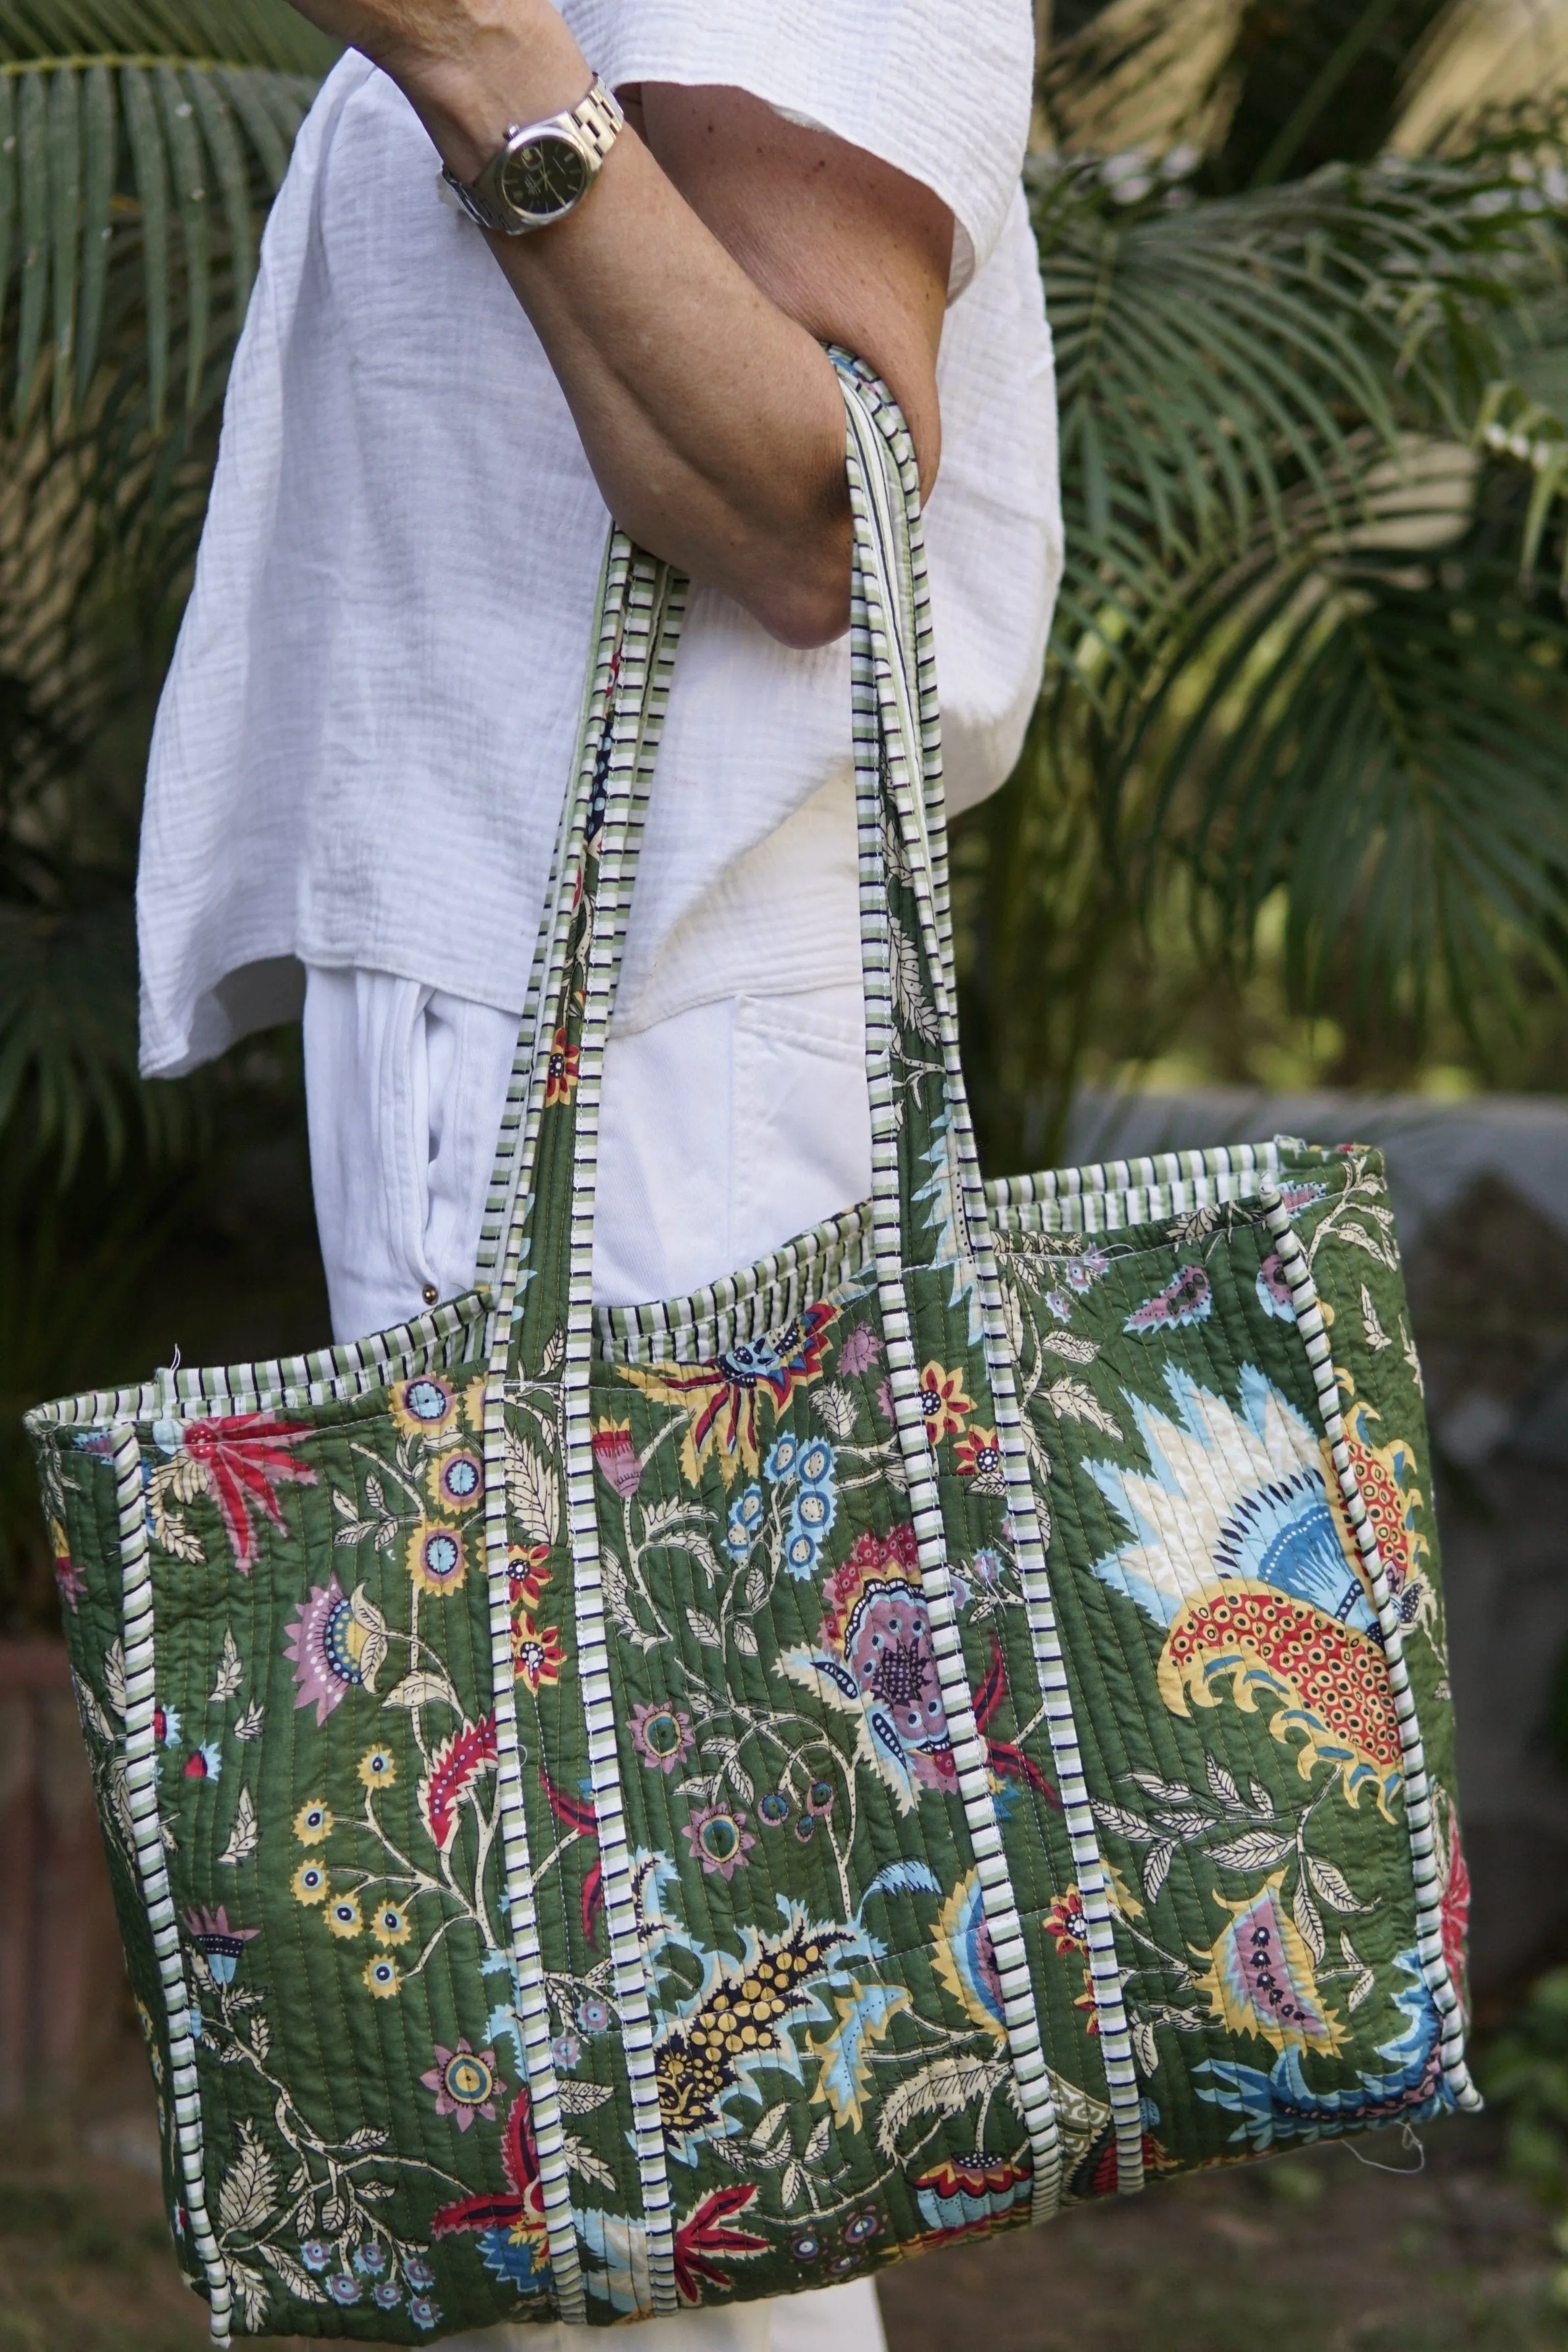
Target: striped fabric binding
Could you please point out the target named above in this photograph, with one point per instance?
(1314, 1335)
(883, 726)
(653, 610)
(515, 1141)
(147, 1828)
(513, 1180)
(876, 429)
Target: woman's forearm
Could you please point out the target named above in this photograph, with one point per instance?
(709, 413)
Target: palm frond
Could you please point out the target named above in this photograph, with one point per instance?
(138, 147)
(266, 33)
(1212, 358)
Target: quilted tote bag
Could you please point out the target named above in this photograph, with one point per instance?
(614, 1810)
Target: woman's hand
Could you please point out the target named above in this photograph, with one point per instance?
(685, 302)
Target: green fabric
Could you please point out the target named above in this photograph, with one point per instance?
(835, 2084)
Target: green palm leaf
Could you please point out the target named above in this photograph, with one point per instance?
(120, 124)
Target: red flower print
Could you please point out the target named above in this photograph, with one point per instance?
(561, 1074)
(943, 1403)
(244, 1456)
(1067, 1924)
(707, 2230)
(978, 1454)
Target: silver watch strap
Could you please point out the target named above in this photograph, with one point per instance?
(593, 125)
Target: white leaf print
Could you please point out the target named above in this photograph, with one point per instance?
(1308, 1920)
(745, 1639)
(914, 1006)
(243, 1837)
(1332, 1886)
(422, 1688)
(244, 2199)
(581, 2098)
(1258, 1850)
(249, 1725)
(1376, 1337)
(532, 1491)
(230, 1671)
(944, 2088)
(1075, 1400)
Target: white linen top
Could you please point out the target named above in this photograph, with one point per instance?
(368, 723)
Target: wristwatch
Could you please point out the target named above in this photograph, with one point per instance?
(543, 169)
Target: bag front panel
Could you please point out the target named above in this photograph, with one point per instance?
(834, 2086)
(1229, 1673)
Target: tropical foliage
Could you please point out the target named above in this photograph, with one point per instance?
(1305, 270)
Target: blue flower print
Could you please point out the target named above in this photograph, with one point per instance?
(813, 1464)
(780, 1463)
(745, 1515)
(802, 1553)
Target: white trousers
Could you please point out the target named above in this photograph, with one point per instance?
(724, 1130)
(834, 2319)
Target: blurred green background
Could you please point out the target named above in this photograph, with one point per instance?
(1292, 810)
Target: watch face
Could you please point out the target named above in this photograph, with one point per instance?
(544, 175)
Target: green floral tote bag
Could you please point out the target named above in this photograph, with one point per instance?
(614, 1810)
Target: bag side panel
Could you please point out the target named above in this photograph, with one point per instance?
(1233, 1700)
(77, 1479)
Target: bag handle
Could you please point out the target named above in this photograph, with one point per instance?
(925, 1176)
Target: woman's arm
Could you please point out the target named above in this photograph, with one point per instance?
(684, 303)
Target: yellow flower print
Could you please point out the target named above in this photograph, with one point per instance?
(424, 1407)
(437, 1561)
(342, 1915)
(944, 1402)
(312, 1822)
(310, 1882)
(389, 1923)
(456, 1481)
(384, 1977)
(378, 1768)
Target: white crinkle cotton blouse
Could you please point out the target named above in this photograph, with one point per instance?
(368, 727)
(366, 732)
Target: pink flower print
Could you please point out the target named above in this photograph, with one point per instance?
(464, 2081)
(618, 1457)
(661, 1735)
(719, 1839)
(859, 1352)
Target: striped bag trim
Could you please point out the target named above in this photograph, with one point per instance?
(651, 606)
(654, 608)
(569, 2292)
(1296, 1264)
(904, 649)
(885, 731)
(152, 1868)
